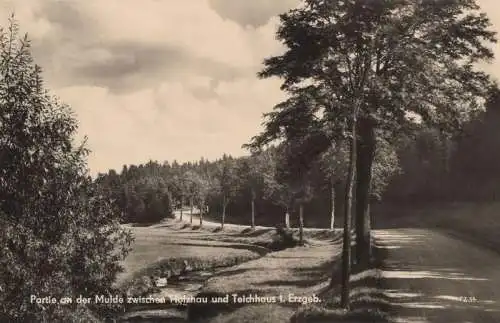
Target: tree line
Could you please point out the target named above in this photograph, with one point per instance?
(257, 189)
(254, 190)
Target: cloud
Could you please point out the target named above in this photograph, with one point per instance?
(163, 79)
(490, 7)
(169, 122)
(253, 13)
(78, 40)
(152, 79)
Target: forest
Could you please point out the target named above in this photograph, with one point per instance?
(425, 168)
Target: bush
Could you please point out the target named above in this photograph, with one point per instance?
(60, 237)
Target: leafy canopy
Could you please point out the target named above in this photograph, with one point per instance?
(359, 51)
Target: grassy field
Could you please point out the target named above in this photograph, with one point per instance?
(300, 271)
(293, 275)
(157, 249)
(278, 277)
(298, 279)
(165, 246)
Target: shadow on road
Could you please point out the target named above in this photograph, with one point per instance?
(430, 277)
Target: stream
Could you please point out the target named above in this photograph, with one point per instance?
(180, 288)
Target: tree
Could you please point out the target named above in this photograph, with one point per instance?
(386, 166)
(304, 193)
(474, 160)
(296, 120)
(192, 180)
(157, 199)
(250, 171)
(225, 182)
(203, 188)
(334, 164)
(276, 187)
(292, 171)
(180, 183)
(60, 237)
(200, 185)
(346, 241)
(358, 54)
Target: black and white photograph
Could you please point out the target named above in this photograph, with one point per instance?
(241, 161)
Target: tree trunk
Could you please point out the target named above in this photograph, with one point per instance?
(223, 219)
(339, 198)
(191, 204)
(182, 204)
(301, 224)
(346, 246)
(201, 215)
(369, 221)
(191, 213)
(332, 196)
(287, 219)
(366, 145)
(253, 208)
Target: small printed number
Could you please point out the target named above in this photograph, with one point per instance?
(468, 299)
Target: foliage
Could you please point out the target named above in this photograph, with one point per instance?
(364, 50)
(204, 185)
(143, 194)
(436, 168)
(346, 54)
(250, 172)
(60, 237)
(225, 178)
(385, 167)
(276, 187)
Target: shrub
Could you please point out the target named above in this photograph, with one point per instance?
(59, 236)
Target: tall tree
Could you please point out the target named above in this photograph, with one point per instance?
(277, 188)
(334, 163)
(204, 185)
(295, 174)
(226, 183)
(251, 172)
(303, 194)
(180, 183)
(359, 54)
(346, 243)
(192, 180)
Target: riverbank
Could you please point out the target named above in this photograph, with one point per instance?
(163, 250)
(271, 288)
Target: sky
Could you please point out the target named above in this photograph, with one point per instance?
(161, 79)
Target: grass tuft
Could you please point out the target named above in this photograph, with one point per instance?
(320, 314)
(262, 313)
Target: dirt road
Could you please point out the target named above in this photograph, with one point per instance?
(429, 276)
